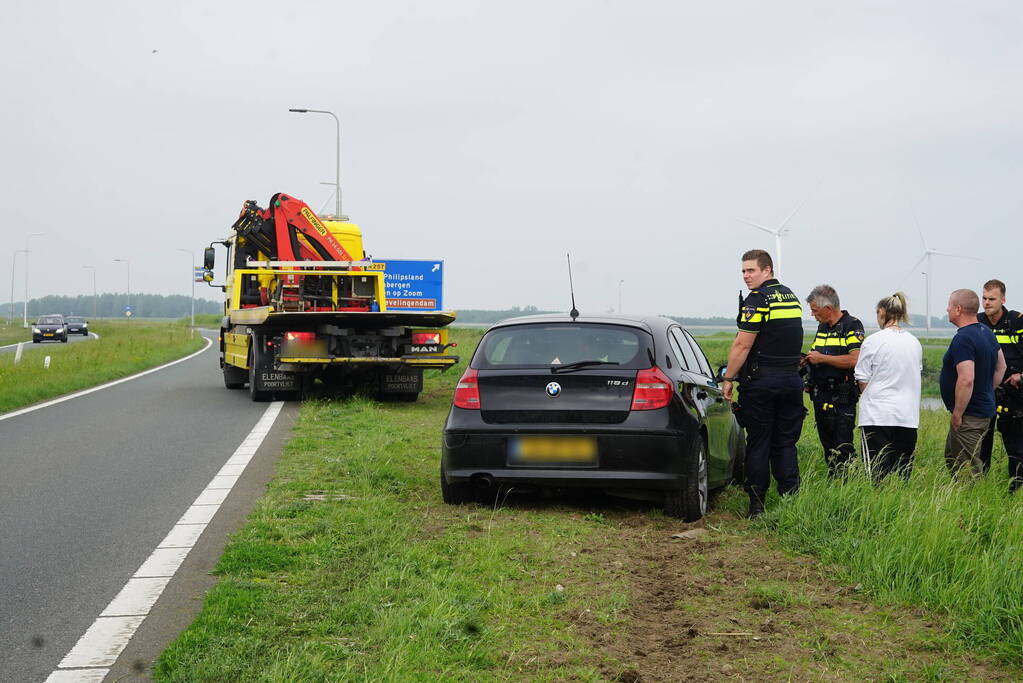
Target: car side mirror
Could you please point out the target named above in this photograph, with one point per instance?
(209, 257)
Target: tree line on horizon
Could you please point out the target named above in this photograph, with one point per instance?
(111, 305)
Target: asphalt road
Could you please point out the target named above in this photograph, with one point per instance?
(29, 346)
(90, 487)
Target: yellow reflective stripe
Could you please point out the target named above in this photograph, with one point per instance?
(783, 313)
(755, 318)
(1007, 339)
(830, 341)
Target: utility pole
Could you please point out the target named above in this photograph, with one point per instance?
(337, 176)
(14, 260)
(24, 319)
(192, 278)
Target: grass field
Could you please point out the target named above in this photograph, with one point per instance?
(123, 348)
(351, 568)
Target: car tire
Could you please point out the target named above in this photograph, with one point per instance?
(234, 378)
(456, 493)
(254, 394)
(64, 340)
(689, 501)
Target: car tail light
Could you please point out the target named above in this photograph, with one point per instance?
(467, 391)
(300, 336)
(426, 337)
(653, 390)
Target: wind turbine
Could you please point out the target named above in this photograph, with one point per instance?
(928, 253)
(778, 232)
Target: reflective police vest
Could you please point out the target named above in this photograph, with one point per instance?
(1008, 332)
(837, 340)
(774, 314)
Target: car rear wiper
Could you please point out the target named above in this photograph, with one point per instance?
(581, 364)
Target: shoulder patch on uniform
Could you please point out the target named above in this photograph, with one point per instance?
(748, 311)
(859, 335)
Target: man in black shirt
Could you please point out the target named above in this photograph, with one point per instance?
(1007, 327)
(764, 359)
(829, 371)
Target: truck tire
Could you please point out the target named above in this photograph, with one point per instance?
(234, 378)
(254, 361)
(689, 501)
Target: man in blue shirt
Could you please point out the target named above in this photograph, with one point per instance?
(971, 369)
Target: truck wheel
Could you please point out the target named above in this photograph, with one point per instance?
(234, 378)
(689, 501)
(254, 361)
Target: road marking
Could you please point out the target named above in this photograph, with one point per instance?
(22, 411)
(103, 642)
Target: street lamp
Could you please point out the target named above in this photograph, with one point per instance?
(337, 177)
(14, 260)
(93, 269)
(24, 319)
(620, 283)
(128, 264)
(192, 278)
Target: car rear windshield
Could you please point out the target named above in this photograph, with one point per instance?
(75, 319)
(544, 345)
(52, 320)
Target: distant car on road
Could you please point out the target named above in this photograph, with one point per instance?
(50, 328)
(628, 404)
(76, 324)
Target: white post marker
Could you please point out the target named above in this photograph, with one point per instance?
(46, 363)
(17, 352)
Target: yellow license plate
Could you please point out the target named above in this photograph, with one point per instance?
(576, 450)
(47, 334)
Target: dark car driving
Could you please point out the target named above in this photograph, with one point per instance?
(76, 324)
(49, 328)
(620, 403)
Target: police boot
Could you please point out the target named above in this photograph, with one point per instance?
(756, 507)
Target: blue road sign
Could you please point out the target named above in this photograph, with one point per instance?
(413, 285)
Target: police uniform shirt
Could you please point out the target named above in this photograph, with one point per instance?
(1007, 332)
(839, 339)
(772, 311)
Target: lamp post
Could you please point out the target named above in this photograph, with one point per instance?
(192, 278)
(620, 283)
(128, 264)
(93, 269)
(337, 177)
(14, 260)
(24, 319)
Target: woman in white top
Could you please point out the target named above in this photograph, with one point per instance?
(888, 372)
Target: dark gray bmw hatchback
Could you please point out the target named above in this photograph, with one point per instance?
(620, 403)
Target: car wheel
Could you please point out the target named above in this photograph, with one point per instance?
(64, 340)
(689, 501)
(254, 361)
(234, 378)
(456, 494)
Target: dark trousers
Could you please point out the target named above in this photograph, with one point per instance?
(887, 450)
(835, 415)
(771, 410)
(1011, 429)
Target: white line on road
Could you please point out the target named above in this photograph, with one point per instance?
(15, 413)
(100, 646)
(11, 346)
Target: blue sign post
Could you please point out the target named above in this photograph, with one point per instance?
(413, 285)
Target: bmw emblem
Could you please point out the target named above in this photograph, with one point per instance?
(553, 389)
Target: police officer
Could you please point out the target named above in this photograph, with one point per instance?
(828, 369)
(764, 359)
(1008, 329)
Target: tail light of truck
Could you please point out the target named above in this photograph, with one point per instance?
(653, 390)
(300, 336)
(426, 337)
(467, 391)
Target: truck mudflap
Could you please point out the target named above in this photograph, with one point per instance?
(418, 362)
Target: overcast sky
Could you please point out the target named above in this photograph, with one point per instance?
(499, 136)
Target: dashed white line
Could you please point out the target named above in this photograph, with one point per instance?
(97, 650)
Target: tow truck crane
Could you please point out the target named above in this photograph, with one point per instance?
(303, 303)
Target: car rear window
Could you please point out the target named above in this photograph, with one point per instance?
(544, 345)
(50, 321)
(74, 319)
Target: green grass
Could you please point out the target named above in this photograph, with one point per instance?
(14, 333)
(123, 349)
(208, 320)
(381, 581)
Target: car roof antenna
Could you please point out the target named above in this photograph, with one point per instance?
(571, 288)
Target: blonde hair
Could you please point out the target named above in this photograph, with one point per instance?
(893, 309)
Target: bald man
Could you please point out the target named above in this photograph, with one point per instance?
(971, 369)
